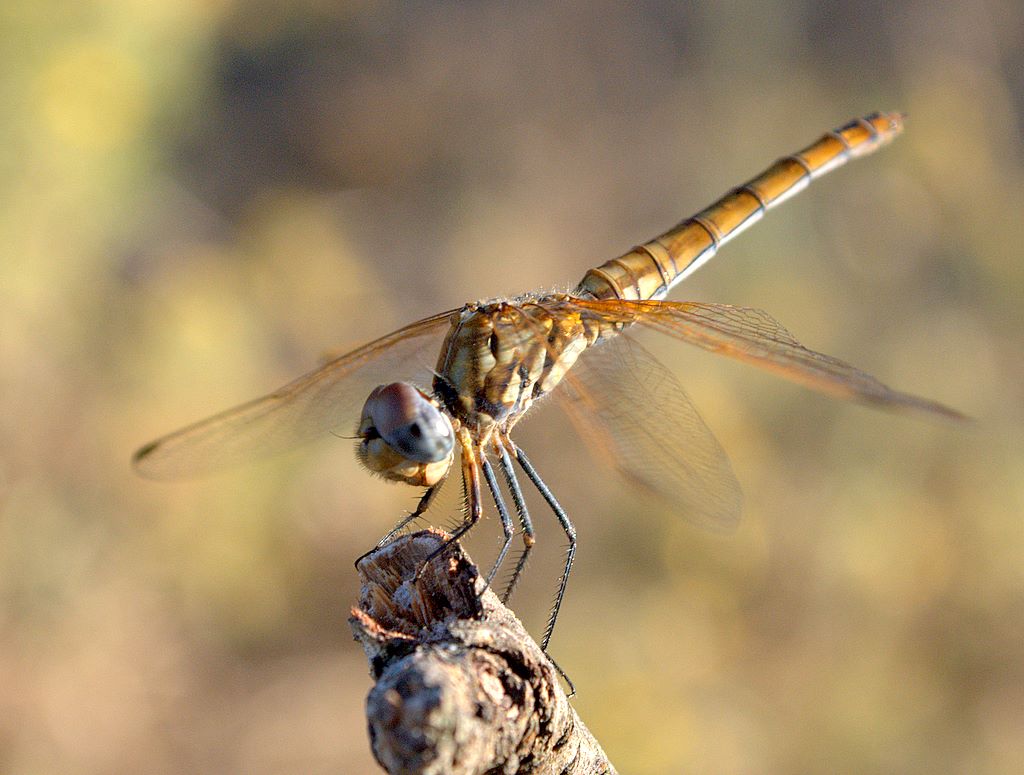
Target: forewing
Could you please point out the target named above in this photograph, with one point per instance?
(754, 336)
(316, 404)
(631, 409)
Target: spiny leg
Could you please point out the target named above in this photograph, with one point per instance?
(524, 519)
(506, 520)
(471, 455)
(425, 501)
(570, 532)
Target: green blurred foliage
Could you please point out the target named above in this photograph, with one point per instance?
(201, 198)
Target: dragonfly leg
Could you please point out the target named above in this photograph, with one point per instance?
(524, 519)
(570, 532)
(425, 501)
(471, 456)
(506, 520)
(565, 677)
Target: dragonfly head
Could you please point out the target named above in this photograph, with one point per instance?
(404, 436)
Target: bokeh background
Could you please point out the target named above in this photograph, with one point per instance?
(200, 198)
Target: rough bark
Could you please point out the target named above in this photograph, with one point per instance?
(461, 687)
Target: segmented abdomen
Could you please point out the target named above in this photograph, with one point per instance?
(650, 270)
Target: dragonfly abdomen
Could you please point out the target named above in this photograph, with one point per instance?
(652, 269)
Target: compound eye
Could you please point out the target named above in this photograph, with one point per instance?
(408, 422)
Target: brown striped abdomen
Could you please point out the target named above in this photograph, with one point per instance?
(650, 270)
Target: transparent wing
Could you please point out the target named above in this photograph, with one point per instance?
(754, 336)
(631, 409)
(324, 400)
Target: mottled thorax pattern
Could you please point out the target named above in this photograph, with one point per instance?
(499, 358)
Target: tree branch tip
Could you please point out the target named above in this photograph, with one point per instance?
(461, 687)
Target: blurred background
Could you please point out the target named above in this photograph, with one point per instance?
(201, 198)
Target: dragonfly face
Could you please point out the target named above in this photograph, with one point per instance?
(404, 436)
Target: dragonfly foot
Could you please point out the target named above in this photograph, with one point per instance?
(564, 676)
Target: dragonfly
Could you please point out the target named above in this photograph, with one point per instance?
(462, 379)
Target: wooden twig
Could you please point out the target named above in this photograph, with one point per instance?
(461, 687)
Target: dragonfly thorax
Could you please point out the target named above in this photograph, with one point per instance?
(498, 358)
